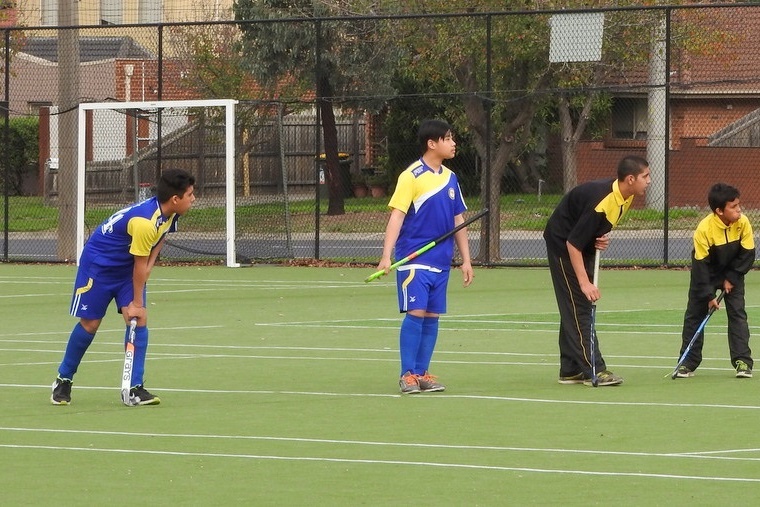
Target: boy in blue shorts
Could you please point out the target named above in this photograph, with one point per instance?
(115, 265)
(427, 203)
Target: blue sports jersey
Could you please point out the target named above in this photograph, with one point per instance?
(430, 200)
(128, 232)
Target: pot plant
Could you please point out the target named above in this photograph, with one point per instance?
(378, 184)
(359, 185)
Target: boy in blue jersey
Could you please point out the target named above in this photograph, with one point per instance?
(577, 228)
(724, 251)
(115, 265)
(427, 203)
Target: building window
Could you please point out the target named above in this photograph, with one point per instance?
(35, 106)
(49, 12)
(111, 12)
(149, 11)
(629, 118)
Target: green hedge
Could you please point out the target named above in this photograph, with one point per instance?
(20, 151)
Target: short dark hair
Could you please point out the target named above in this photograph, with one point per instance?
(173, 182)
(721, 194)
(631, 166)
(431, 130)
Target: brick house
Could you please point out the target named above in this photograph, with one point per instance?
(714, 117)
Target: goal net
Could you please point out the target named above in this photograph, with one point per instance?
(122, 149)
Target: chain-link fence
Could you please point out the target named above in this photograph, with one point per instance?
(327, 115)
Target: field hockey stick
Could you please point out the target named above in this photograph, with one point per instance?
(594, 378)
(694, 338)
(427, 247)
(129, 356)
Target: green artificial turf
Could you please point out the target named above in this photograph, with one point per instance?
(279, 387)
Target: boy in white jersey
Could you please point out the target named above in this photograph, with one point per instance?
(426, 204)
(115, 265)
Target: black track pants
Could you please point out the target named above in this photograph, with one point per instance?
(575, 319)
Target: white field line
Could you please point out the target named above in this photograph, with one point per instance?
(223, 284)
(450, 324)
(165, 355)
(153, 291)
(439, 397)
(709, 455)
(102, 331)
(393, 324)
(692, 454)
(385, 351)
(38, 280)
(159, 286)
(384, 462)
(159, 357)
(15, 296)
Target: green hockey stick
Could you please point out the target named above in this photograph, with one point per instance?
(427, 247)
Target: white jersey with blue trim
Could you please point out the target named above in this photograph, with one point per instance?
(431, 199)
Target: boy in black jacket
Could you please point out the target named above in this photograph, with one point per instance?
(724, 251)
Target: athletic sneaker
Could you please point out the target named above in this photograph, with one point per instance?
(572, 379)
(429, 383)
(408, 383)
(743, 370)
(138, 395)
(605, 378)
(684, 372)
(61, 391)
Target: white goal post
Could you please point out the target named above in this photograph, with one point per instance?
(229, 108)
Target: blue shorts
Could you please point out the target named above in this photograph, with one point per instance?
(93, 292)
(422, 289)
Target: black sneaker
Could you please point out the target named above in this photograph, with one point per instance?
(743, 370)
(138, 395)
(605, 378)
(61, 391)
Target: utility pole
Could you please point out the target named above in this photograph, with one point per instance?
(68, 121)
(657, 129)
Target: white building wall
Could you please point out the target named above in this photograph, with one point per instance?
(94, 12)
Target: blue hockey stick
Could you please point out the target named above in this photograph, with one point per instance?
(694, 338)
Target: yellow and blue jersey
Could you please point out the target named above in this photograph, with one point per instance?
(431, 199)
(132, 231)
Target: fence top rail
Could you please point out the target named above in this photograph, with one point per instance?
(368, 17)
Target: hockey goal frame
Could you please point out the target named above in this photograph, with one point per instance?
(229, 129)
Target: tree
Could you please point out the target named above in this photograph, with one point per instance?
(290, 42)
(580, 86)
(524, 88)
(212, 65)
(497, 116)
(633, 52)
